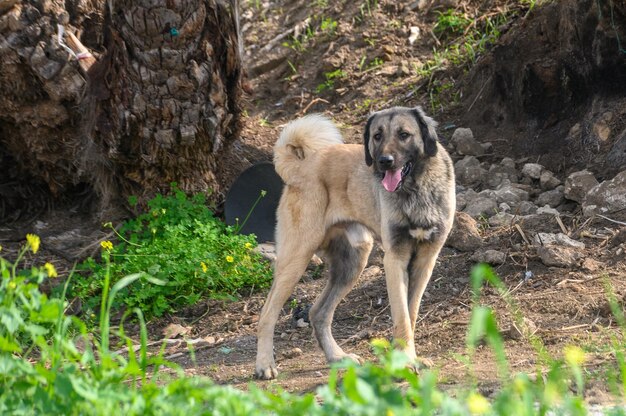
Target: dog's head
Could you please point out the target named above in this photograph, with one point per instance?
(396, 141)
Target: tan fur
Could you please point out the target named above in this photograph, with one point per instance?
(334, 201)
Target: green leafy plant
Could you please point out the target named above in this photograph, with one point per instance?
(451, 22)
(331, 77)
(51, 364)
(179, 242)
(375, 63)
(328, 25)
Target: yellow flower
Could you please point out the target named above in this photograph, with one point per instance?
(52, 272)
(477, 404)
(12, 285)
(551, 395)
(247, 245)
(0, 248)
(33, 241)
(574, 356)
(230, 259)
(204, 268)
(106, 245)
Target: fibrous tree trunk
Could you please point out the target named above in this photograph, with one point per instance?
(149, 96)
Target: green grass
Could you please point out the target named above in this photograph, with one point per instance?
(50, 363)
(179, 245)
(462, 40)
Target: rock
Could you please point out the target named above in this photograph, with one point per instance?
(510, 195)
(545, 239)
(468, 171)
(552, 198)
(517, 332)
(525, 208)
(501, 219)
(578, 184)
(292, 353)
(548, 181)
(616, 158)
(301, 323)
(267, 251)
(504, 207)
(532, 170)
(419, 5)
(464, 235)
(465, 144)
(591, 265)
(463, 198)
(607, 197)
(493, 257)
(404, 69)
(498, 173)
(601, 127)
(547, 210)
(559, 256)
(544, 223)
(481, 207)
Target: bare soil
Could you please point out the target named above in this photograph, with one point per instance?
(371, 47)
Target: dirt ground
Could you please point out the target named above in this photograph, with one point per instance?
(370, 45)
(564, 306)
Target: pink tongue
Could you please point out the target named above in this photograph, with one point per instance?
(392, 179)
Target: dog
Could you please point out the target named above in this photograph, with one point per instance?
(398, 186)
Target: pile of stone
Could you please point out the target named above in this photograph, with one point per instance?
(513, 192)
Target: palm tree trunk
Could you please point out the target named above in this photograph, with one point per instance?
(148, 93)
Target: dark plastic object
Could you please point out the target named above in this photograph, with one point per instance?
(243, 194)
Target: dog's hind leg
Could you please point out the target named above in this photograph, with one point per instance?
(347, 252)
(291, 263)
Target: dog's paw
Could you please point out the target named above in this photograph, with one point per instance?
(345, 356)
(421, 363)
(266, 373)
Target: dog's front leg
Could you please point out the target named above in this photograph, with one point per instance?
(397, 278)
(421, 270)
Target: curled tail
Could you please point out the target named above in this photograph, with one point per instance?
(299, 140)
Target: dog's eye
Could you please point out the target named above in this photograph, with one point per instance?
(378, 136)
(404, 135)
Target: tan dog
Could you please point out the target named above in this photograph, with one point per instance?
(404, 193)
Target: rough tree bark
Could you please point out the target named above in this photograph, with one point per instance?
(156, 102)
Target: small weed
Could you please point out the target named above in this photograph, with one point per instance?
(362, 62)
(328, 26)
(451, 22)
(322, 4)
(370, 41)
(374, 63)
(294, 71)
(330, 77)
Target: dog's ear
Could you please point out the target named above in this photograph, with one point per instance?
(427, 129)
(366, 141)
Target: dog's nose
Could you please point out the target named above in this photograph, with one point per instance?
(385, 161)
